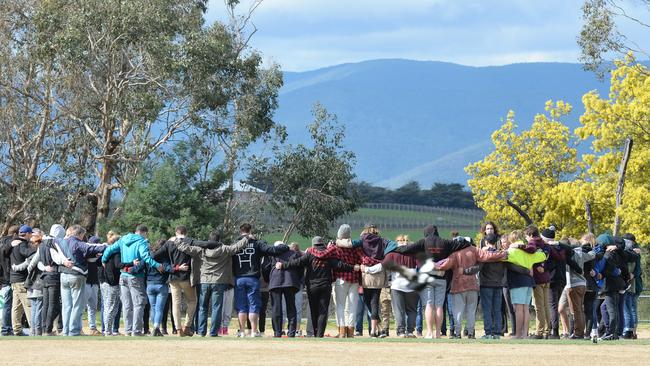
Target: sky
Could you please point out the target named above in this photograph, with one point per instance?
(304, 35)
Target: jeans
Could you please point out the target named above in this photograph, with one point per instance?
(157, 294)
(464, 305)
(92, 295)
(450, 313)
(491, 300)
(51, 306)
(133, 296)
(110, 308)
(361, 309)
(73, 301)
(405, 309)
(630, 316)
(37, 319)
(6, 310)
(211, 298)
(418, 317)
(289, 295)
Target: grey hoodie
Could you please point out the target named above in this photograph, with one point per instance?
(574, 279)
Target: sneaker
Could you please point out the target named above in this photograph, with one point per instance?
(157, 333)
(383, 334)
(410, 335)
(496, 337)
(471, 336)
(241, 334)
(257, 335)
(628, 335)
(357, 334)
(299, 333)
(419, 334)
(536, 336)
(487, 336)
(574, 337)
(94, 332)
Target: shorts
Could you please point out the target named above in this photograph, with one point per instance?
(248, 298)
(521, 295)
(434, 293)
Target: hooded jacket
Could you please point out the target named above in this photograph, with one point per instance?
(280, 278)
(433, 246)
(466, 258)
(5, 262)
(246, 262)
(20, 251)
(318, 271)
(78, 252)
(131, 247)
(216, 263)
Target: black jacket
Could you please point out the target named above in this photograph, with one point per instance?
(19, 253)
(319, 271)
(246, 263)
(433, 246)
(279, 278)
(111, 274)
(45, 257)
(5, 262)
(169, 252)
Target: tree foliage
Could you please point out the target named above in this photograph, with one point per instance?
(312, 182)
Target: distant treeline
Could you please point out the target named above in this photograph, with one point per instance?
(440, 194)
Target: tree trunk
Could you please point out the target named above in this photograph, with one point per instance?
(520, 212)
(590, 219)
(621, 184)
(102, 197)
(90, 213)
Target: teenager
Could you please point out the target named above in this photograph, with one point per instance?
(404, 298)
(109, 285)
(18, 252)
(491, 279)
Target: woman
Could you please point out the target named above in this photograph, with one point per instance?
(318, 280)
(157, 291)
(284, 284)
(109, 285)
(404, 299)
(373, 278)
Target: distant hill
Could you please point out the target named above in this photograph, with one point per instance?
(425, 121)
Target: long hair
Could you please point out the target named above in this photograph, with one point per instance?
(485, 224)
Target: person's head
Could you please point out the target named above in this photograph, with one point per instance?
(504, 242)
(402, 240)
(37, 236)
(94, 240)
(57, 231)
(344, 232)
(431, 230)
(531, 232)
(605, 240)
(454, 234)
(317, 241)
(245, 228)
(574, 242)
(25, 232)
(112, 236)
(279, 242)
(13, 230)
(516, 236)
(294, 246)
(489, 227)
(77, 231)
(142, 230)
(181, 230)
(588, 239)
(159, 243)
(370, 228)
(491, 240)
(215, 235)
(630, 237)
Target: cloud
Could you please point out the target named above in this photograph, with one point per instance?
(309, 34)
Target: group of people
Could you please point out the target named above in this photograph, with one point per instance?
(590, 286)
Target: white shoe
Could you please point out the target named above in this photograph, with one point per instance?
(257, 335)
(240, 334)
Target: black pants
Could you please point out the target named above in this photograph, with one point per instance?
(51, 306)
(588, 307)
(146, 315)
(611, 302)
(319, 303)
(554, 301)
(289, 295)
(371, 299)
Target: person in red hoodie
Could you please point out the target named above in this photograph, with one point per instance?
(464, 286)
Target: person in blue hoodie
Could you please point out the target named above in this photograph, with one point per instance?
(133, 247)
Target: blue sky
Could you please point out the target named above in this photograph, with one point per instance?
(309, 34)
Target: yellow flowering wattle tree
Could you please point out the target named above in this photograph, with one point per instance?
(511, 184)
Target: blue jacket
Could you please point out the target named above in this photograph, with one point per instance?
(131, 247)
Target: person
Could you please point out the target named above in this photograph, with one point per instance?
(246, 269)
(491, 279)
(632, 293)
(541, 291)
(48, 250)
(109, 284)
(373, 278)
(299, 295)
(576, 288)
(34, 285)
(158, 289)
(519, 278)
(216, 276)
(92, 290)
(73, 279)
(180, 283)
(283, 284)
(488, 228)
(404, 298)
(464, 286)
(318, 280)
(19, 251)
(433, 295)
(5, 282)
(614, 272)
(133, 247)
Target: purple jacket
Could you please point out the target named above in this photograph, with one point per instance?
(541, 277)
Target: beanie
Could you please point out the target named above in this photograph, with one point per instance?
(344, 232)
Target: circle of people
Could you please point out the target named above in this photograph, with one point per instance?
(592, 284)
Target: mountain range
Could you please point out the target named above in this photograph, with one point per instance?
(425, 121)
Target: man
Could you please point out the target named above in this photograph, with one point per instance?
(5, 284)
(20, 305)
(216, 276)
(133, 247)
(50, 248)
(73, 280)
(180, 282)
(246, 269)
(92, 290)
